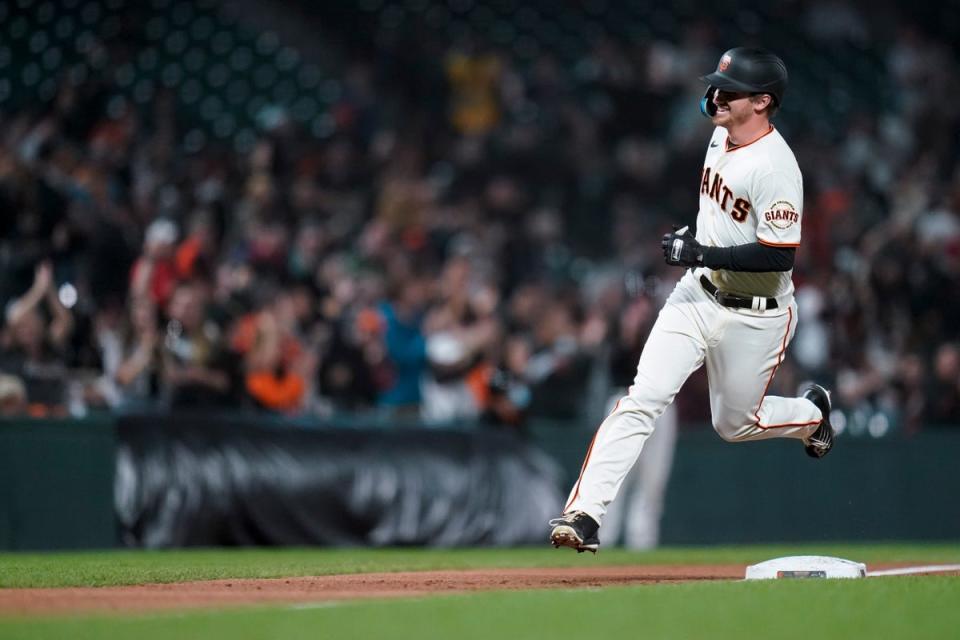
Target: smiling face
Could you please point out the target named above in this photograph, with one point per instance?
(737, 107)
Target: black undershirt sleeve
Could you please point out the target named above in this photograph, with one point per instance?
(753, 257)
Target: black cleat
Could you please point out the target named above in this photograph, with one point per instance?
(820, 443)
(576, 530)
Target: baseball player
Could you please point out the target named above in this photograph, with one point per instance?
(733, 309)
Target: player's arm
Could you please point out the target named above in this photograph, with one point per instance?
(680, 248)
(749, 257)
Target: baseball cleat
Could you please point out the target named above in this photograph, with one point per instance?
(820, 443)
(576, 530)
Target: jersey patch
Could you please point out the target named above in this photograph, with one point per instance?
(782, 215)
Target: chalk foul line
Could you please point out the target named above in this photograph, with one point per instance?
(905, 571)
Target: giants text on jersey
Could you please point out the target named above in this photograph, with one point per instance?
(750, 193)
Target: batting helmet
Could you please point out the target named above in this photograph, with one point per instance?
(749, 69)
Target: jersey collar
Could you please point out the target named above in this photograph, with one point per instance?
(734, 147)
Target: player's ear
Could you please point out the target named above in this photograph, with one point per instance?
(761, 101)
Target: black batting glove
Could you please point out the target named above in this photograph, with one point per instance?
(681, 249)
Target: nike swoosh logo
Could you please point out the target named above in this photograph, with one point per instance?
(713, 144)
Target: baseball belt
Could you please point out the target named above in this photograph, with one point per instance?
(735, 301)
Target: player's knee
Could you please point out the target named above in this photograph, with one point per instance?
(647, 391)
(643, 407)
(723, 432)
(733, 428)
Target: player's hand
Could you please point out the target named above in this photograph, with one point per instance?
(681, 249)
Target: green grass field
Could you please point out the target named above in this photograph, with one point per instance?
(895, 607)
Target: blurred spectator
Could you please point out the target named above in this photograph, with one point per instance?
(405, 353)
(353, 356)
(272, 379)
(474, 77)
(943, 395)
(196, 368)
(557, 368)
(36, 343)
(154, 274)
(507, 395)
(13, 396)
(138, 370)
(460, 330)
(278, 368)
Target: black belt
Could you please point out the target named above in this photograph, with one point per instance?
(736, 301)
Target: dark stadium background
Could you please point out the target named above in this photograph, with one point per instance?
(442, 220)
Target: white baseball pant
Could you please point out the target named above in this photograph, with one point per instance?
(634, 517)
(742, 350)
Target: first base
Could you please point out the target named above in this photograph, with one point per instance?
(806, 567)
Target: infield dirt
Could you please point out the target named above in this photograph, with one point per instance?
(217, 593)
(239, 592)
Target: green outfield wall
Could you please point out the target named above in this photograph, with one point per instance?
(893, 488)
(57, 482)
(770, 491)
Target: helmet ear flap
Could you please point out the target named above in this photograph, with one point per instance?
(707, 106)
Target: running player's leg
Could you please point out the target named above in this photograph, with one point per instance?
(740, 368)
(674, 350)
(645, 507)
(633, 519)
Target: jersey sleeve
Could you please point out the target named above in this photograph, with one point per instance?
(778, 202)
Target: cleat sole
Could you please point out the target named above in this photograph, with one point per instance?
(566, 537)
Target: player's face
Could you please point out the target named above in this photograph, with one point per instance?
(733, 107)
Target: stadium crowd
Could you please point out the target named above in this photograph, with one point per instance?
(474, 240)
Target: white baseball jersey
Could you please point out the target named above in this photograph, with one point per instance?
(750, 193)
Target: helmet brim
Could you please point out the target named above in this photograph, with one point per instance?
(724, 82)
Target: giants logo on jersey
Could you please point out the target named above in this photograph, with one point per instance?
(781, 214)
(723, 195)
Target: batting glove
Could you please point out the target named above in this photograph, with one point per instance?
(681, 249)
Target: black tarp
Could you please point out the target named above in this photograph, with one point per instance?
(196, 481)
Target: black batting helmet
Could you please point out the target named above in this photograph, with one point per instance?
(749, 69)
